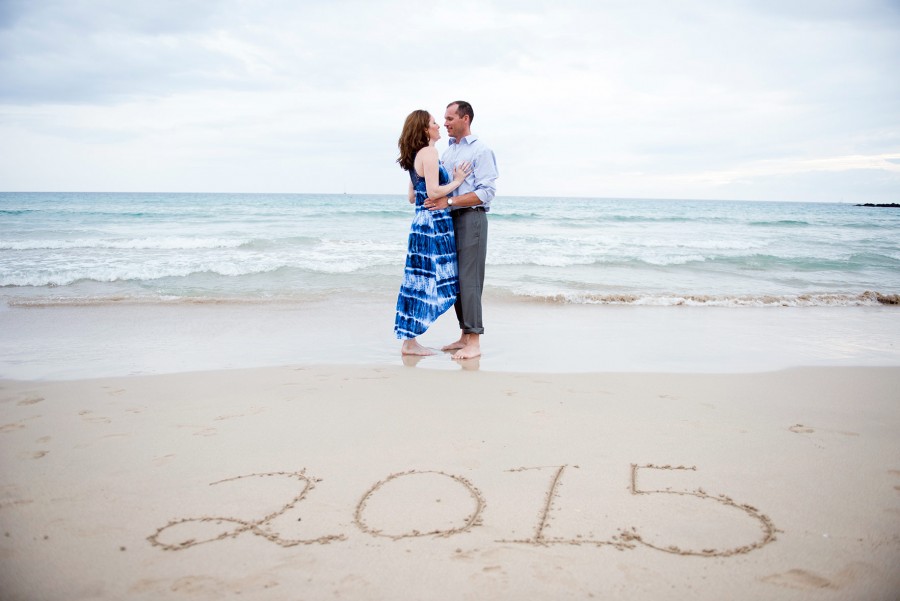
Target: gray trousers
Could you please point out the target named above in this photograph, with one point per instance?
(471, 228)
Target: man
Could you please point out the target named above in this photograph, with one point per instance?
(469, 205)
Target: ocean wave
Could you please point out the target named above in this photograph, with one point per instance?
(268, 244)
(609, 260)
(276, 267)
(840, 263)
(588, 220)
(131, 300)
(705, 258)
(780, 223)
(130, 273)
(164, 243)
(864, 299)
(868, 298)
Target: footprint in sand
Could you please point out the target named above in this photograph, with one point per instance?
(94, 420)
(158, 461)
(200, 430)
(11, 427)
(198, 584)
(31, 400)
(33, 455)
(851, 574)
(252, 411)
(799, 579)
(895, 473)
(801, 429)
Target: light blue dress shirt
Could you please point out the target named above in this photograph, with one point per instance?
(481, 180)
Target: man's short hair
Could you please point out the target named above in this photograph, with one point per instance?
(463, 108)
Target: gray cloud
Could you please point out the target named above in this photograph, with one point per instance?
(616, 96)
(75, 52)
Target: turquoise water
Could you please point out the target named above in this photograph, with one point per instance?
(73, 248)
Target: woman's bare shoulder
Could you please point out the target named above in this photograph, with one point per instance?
(425, 156)
(427, 151)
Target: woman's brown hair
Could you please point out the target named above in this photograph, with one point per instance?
(413, 138)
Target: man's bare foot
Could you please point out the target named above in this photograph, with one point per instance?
(470, 351)
(412, 347)
(455, 346)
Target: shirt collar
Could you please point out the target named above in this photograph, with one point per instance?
(468, 139)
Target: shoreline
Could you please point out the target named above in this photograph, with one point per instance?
(76, 342)
(388, 482)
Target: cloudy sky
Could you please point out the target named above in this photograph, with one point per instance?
(726, 99)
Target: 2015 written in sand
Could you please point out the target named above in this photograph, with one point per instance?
(468, 509)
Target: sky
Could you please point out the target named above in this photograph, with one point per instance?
(703, 99)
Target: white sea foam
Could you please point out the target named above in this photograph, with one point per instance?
(162, 243)
(865, 299)
(140, 273)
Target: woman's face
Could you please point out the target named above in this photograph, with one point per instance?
(434, 130)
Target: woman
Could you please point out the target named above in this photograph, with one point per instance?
(430, 282)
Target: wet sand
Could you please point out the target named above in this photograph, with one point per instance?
(71, 342)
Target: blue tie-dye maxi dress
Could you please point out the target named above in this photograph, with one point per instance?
(431, 278)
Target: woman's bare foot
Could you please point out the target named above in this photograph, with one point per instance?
(455, 346)
(412, 347)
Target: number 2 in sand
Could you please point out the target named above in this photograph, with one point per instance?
(254, 526)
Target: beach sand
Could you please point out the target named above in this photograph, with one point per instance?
(393, 482)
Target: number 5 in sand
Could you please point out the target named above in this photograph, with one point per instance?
(768, 528)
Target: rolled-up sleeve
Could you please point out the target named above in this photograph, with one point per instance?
(486, 174)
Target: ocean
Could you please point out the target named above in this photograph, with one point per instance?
(97, 248)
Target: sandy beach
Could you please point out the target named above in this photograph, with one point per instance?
(389, 482)
(684, 248)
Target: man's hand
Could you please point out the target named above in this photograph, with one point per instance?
(435, 204)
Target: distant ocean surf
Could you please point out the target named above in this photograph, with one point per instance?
(90, 248)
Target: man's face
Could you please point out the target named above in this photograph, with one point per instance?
(456, 127)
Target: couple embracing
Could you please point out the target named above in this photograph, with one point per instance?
(448, 238)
